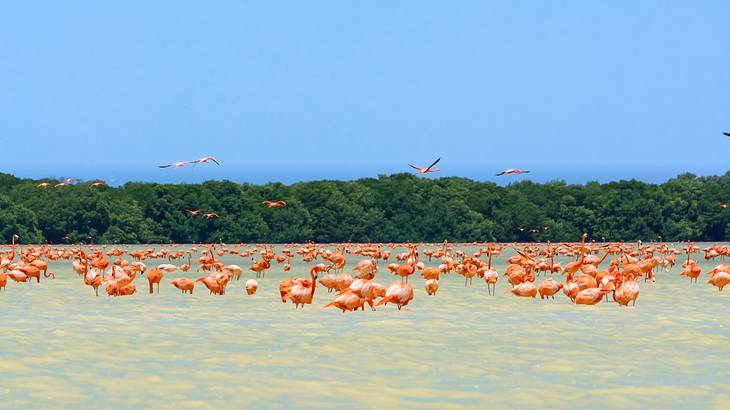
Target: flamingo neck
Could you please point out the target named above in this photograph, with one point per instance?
(314, 284)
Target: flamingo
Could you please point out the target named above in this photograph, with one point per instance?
(399, 293)
(512, 171)
(176, 164)
(299, 290)
(432, 286)
(627, 292)
(427, 169)
(206, 160)
(184, 284)
(251, 286)
(549, 288)
(155, 276)
(524, 289)
(349, 300)
(274, 204)
(719, 279)
(590, 296)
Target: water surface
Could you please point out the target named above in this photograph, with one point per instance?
(62, 347)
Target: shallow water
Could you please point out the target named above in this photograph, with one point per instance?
(63, 347)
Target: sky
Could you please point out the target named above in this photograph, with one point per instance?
(300, 90)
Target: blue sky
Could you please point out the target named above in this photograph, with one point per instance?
(300, 90)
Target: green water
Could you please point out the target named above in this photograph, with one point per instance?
(62, 347)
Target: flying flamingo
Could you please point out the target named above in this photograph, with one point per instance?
(512, 171)
(97, 184)
(175, 164)
(211, 215)
(272, 204)
(205, 160)
(44, 185)
(427, 169)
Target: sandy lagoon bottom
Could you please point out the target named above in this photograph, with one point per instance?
(61, 347)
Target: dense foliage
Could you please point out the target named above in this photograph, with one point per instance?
(398, 207)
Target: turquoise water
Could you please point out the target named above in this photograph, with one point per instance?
(63, 347)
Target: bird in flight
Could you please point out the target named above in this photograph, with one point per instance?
(512, 172)
(426, 170)
(727, 134)
(205, 160)
(724, 206)
(71, 180)
(211, 215)
(193, 211)
(43, 185)
(97, 184)
(274, 204)
(61, 185)
(175, 164)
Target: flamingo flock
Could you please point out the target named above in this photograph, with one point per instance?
(584, 280)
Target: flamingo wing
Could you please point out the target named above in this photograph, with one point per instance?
(434, 163)
(727, 134)
(414, 167)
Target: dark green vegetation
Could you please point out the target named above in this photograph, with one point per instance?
(391, 208)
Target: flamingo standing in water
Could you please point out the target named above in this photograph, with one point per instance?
(399, 293)
(549, 288)
(299, 290)
(627, 292)
(91, 277)
(251, 286)
(432, 286)
(490, 275)
(155, 276)
(184, 284)
(719, 279)
(591, 296)
(525, 290)
(349, 300)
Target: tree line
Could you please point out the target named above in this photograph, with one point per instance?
(392, 208)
